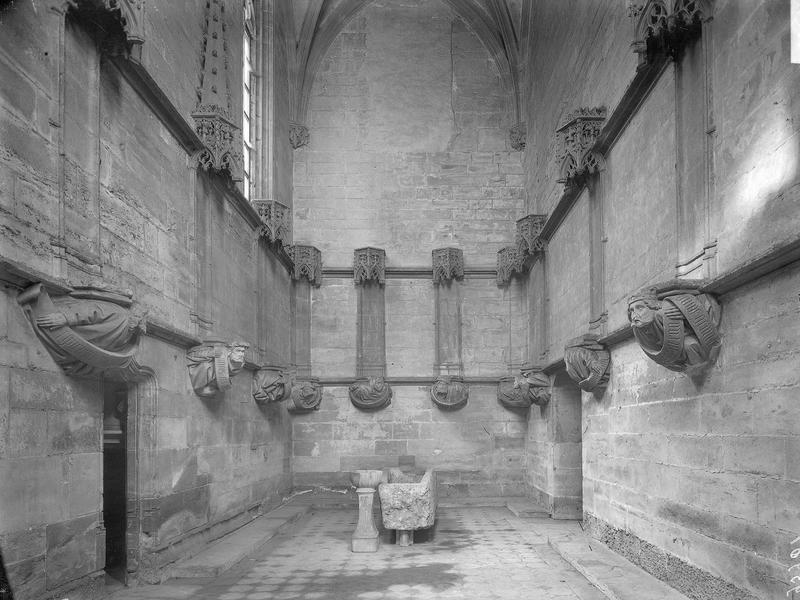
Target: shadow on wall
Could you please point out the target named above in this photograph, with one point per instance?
(5, 586)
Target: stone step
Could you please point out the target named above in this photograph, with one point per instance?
(224, 553)
(616, 577)
(524, 508)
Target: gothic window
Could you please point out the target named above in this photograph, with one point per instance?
(248, 79)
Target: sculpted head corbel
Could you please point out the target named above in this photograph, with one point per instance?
(271, 384)
(531, 386)
(370, 393)
(587, 363)
(213, 364)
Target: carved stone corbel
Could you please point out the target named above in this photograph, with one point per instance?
(573, 145)
(587, 363)
(306, 396)
(298, 135)
(531, 386)
(449, 393)
(529, 231)
(213, 364)
(88, 332)
(369, 264)
(676, 325)
(307, 262)
(120, 21)
(517, 136)
(270, 384)
(370, 393)
(276, 221)
(448, 264)
(665, 27)
(509, 262)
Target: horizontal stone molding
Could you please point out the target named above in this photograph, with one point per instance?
(410, 381)
(488, 272)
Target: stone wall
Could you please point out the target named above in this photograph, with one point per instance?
(126, 208)
(689, 478)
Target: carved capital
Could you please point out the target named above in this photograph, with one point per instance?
(306, 396)
(448, 264)
(120, 21)
(676, 325)
(573, 145)
(370, 393)
(307, 261)
(276, 220)
(369, 264)
(510, 261)
(222, 140)
(449, 393)
(517, 136)
(587, 363)
(271, 384)
(531, 386)
(298, 135)
(665, 27)
(529, 230)
(213, 364)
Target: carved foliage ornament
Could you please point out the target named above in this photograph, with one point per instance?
(665, 27)
(532, 386)
(448, 264)
(306, 395)
(587, 363)
(370, 393)
(517, 135)
(270, 384)
(369, 264)
(676, 326)
(449, 393)
(529, 230)
(574, 141)
(298, 135)
(307, 261)
(275, 219)
(213, 364)
(88, 332)
(121, 21)
(509, 262)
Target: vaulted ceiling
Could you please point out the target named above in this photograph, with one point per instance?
(499, 24)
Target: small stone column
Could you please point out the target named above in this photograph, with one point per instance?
(365, 537)
(448, 270)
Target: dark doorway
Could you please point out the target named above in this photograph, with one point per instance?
(115, 402)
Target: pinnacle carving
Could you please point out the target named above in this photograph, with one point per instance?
(587, 363)
(369, 264)
(665, 27)
(509, 262)
(448, 264)
(529, 230)
(574, 141)
(298, 135)
(212, 115)
(275, 219)
(307, 261)
(517, 136)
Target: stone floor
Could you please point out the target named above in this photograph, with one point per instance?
(472, 552)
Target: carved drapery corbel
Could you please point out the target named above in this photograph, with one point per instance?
(676, 325)
(449, 393)
(88, 332)
(665, 27)
(120, 21)
(212, 115)
(509, 261)
(298, 135)
(213, 364)
(306, 395)
(370, 393)
(448, 264)
(573, 145)
(369, 264)
(587, 363)
(531, 386)
(529, 231)
(271, 384)
(307, 262)
(275, 219)
(517, 136)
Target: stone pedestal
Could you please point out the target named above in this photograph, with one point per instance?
(365, 537)
(405, 537)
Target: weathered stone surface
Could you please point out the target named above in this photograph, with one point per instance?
(408, 502)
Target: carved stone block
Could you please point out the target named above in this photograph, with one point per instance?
(517, 136)
(307, 261)
(120, 21)
(573, 145)
(676, 325)
(369, 264)
(509, 262)
(370, 393)
(449, 393)
(271, 384)
(90, 331)
(213, 364)
(587, 363)
(531, 386)
(448, 264)
(306, 395)
(529, 230)
(276, 220)
(298, 135)
(665, 27)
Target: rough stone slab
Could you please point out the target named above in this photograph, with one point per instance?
(526, 509)
(230, 549)
(616, 577)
